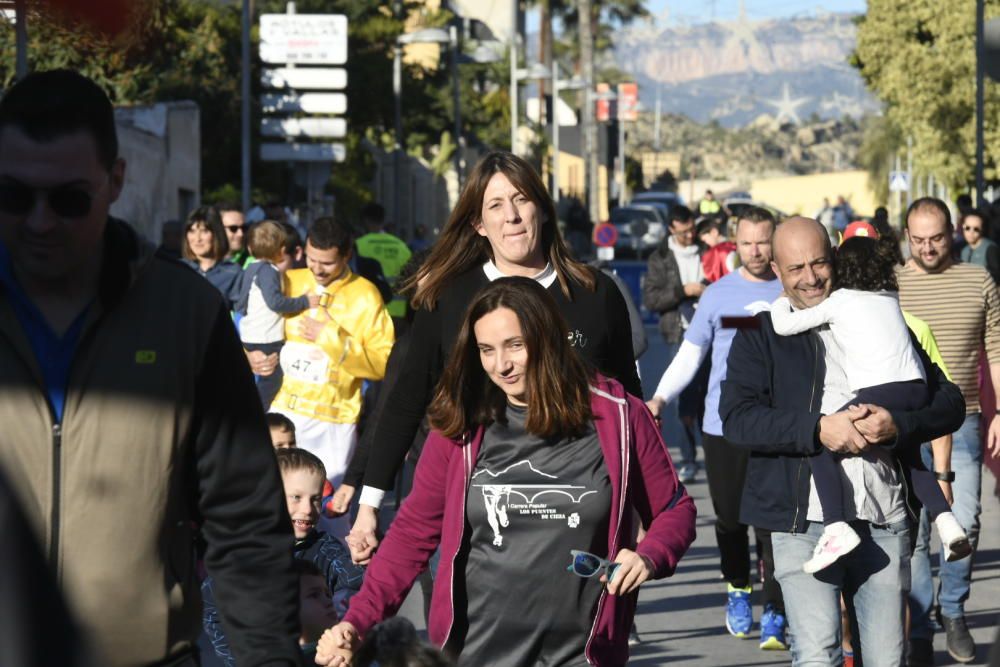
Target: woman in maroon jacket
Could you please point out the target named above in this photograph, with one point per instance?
(533, 474)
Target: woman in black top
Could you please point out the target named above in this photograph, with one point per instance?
(503, 225)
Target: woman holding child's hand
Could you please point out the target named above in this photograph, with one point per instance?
(336, 646)
(529, 485)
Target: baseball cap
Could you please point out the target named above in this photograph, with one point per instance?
(859, 228)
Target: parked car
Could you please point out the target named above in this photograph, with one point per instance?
(663, 200)
(737, 205)
(641, 228)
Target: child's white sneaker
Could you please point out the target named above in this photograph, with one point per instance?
(953, 537)
(837, 539)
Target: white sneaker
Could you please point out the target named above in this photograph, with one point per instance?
(837, 539)
(953, 537)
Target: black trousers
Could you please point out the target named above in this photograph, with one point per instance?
(726, 469)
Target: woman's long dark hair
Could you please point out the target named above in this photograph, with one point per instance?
(460, 247)
(557, 380)
(866, 264)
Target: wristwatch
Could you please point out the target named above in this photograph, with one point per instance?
(945, 476)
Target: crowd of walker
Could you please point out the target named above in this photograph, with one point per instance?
(182, 454)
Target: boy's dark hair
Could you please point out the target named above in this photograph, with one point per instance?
(327, 233)
(866, 264)
(293, 239)
(680, 213)
(227, 206)
(372, 214)
(303, 568)
(706, 225)
(394, 643)
(279, 421)
(48, 105)
(290, 460)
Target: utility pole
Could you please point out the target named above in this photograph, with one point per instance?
(245, 107)
(397, 135)
(656, 122)
(21, 37)
(589, 126)
(980, 85)
(909, 169)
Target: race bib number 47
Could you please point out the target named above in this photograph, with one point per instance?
(305, 362)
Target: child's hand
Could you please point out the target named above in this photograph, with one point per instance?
(336, 646)
(314, 300)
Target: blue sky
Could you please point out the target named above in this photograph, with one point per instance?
(698, 11)
(675, 12)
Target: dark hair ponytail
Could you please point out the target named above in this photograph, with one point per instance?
(866, 264)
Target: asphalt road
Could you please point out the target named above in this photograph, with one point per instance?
(681, 619)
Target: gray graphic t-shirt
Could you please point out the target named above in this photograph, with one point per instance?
(530, 502)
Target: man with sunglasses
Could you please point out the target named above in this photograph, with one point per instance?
(959, 301)
(235, 223)
(130, 419)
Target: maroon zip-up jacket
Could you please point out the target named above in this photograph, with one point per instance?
(642, 478)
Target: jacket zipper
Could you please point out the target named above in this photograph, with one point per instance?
(812, 402)
(56, 483)
(467, 475)
(618, 527)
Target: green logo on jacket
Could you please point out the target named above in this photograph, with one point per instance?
(145, 357)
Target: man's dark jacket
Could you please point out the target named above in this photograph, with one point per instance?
(770, 404)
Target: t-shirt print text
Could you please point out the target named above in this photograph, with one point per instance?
(577, 338)
(503, 497)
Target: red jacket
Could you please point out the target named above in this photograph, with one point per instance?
(719, 260)
(642, 477)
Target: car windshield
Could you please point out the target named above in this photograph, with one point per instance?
(623, 215)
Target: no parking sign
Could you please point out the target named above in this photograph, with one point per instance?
(605, 235)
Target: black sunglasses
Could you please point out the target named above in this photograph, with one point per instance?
(66, 201)
(972, 229)
(233, 228)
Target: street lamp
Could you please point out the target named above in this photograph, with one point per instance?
(534, 72)
(425, 36)
(558, 86)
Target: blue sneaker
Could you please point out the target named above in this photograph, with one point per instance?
(739, 614)
(772, 630)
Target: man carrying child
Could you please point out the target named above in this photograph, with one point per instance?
(784, 416)
(330, 350)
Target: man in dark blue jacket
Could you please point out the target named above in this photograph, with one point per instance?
(780, 399)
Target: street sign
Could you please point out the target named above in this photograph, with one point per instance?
(303, 152)
(605, 254)
(307, 102)
(603, 111)
(628, 101)
(303, 127)
(305, 78)
(306, 39)
(899, 181)
(605, 235)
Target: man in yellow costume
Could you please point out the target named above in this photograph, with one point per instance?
(330, 350)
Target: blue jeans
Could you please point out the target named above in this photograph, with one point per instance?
(874, 579)
(956, 577)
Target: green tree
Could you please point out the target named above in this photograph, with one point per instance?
(918, 57)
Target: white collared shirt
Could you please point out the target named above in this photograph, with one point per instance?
(545, 277)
